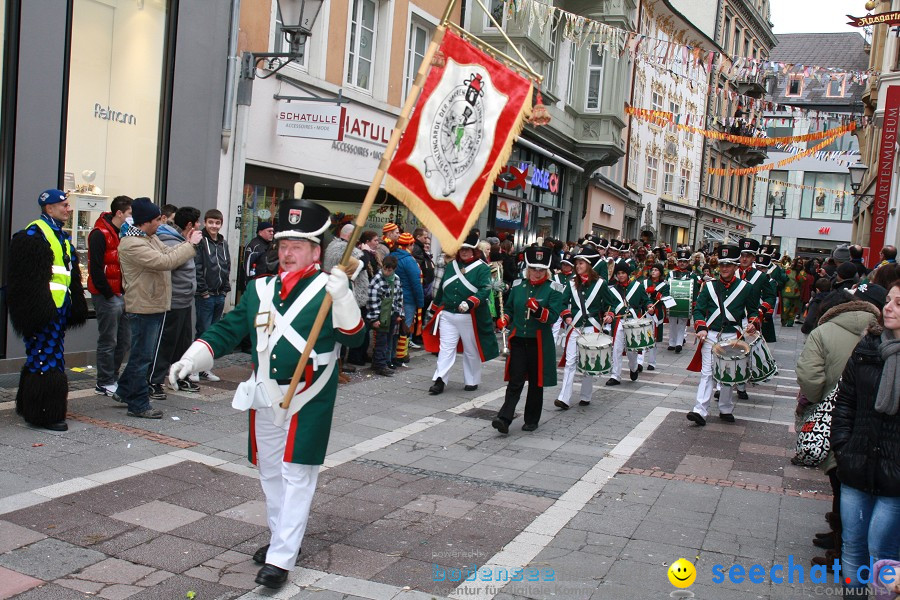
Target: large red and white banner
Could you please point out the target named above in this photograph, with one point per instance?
(885, 171)
(460, 136)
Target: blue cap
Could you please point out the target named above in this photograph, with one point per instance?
(51, 197)
(143, 211)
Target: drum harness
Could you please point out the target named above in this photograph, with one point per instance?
(722, 307)
(583, 304)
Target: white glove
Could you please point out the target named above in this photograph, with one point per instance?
(197, 358)
(463, 307)
(344, 311)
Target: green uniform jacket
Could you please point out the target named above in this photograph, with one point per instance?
(450, 294)
(622, 305)
(549, 295)
(311, 426)
(602, 268)
(764, 292)
(778, 277)
(596, 295)
(660, 289)
(708, 313)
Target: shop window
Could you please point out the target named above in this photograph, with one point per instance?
(361, 55)
(113, 113)
(595, 78)
(820, 200)
(668, 178)
(419, 38)
(650, 183)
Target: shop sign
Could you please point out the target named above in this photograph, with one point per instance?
(608, 209)
(885, 169)
(887, 18)
(824, 230)
(545, 180)
(310, 120)
(679, 209)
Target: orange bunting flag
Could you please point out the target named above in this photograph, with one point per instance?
(465, 121)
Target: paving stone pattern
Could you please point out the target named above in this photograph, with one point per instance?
(404, 519)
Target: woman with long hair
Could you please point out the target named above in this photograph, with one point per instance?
(865, 438)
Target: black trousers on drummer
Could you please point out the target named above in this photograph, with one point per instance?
(523, 366)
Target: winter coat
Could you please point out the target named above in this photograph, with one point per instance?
(425, 261)
(410, 277)
(146, 263)
(184, 278)
(866, 443)
(213, 262)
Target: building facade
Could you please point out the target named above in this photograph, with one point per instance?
(743, 30)
(128, 100)
(664, 163)
(875, 219)
(806, 207)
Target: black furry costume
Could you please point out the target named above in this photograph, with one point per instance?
(43, 386)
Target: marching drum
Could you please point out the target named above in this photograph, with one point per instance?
(682, 291)
(594, 353)
(730, 362)
(638, 333)
(762, 363)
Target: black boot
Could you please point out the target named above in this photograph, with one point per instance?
(437, 387)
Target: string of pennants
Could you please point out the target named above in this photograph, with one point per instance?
(800, 186)
(663, 118)
(775, 165)
(582, 30)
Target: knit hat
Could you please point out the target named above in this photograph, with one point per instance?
(389, 227)
(263, 225)
(405, 239)
(143, 211)
(872, 293)
(846, 271)
(51, 197)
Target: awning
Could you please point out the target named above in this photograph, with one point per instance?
(709, 234)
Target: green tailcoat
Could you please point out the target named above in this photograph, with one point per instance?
(451, 292)
(311, 426)
(549, 295)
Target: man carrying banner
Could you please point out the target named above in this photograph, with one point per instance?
(277, 312)
(585, 306)
(462, 315)
(722, 307)
(534, 304)
(684, 292)
(628, 299)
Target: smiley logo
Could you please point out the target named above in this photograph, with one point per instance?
(682, 573)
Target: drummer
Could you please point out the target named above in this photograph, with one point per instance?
(723, 305)
(767, 260)
(628, 299)
(586, 306)
(763, 295)
(682, 272)
(657, 287)
(601, 245)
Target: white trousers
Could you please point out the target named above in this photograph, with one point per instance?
(453, 328)
(288, 487)
(705, 389)
(677, 327)
(618, 346)
(568, 380)
(555, 330)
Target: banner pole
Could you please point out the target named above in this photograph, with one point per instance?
(399, 128)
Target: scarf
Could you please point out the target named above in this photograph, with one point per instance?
(888, 399)
(290, 278)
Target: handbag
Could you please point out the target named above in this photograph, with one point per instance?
(814, 436)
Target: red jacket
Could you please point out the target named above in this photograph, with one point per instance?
(111, 269)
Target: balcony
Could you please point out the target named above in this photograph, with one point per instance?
(749, 156)
(752, 85)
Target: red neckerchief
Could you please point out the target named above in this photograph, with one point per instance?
(290, 278)
(584, 279)
(539, 281)
(727, 284)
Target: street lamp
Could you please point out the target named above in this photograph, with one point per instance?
(297, 20)
(857, 172)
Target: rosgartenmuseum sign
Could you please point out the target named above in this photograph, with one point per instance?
(888, 18)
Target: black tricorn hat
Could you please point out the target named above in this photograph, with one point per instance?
(538, 257)
(588, 254)
(728, 254)
(763, 259)
(683, 254)
(568, 258)
(471, 241)
(302, 220)
(616, 244)
(748, 245)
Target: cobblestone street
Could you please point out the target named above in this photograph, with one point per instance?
(417, 489)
